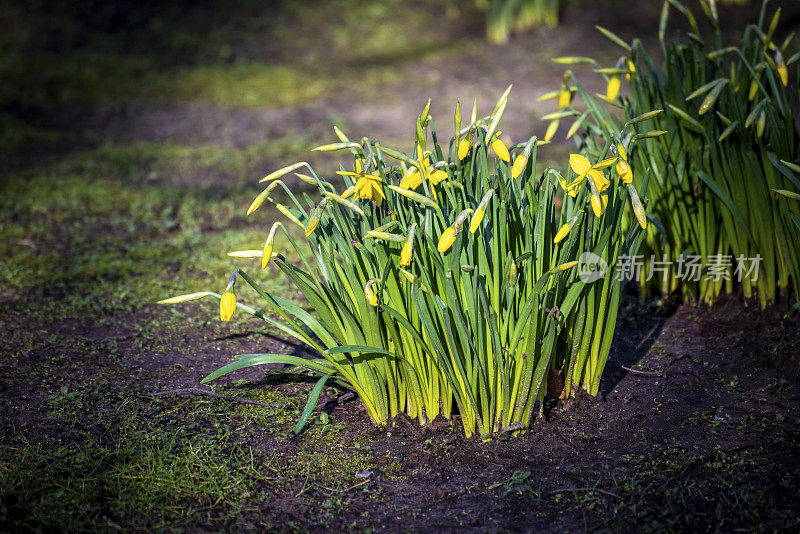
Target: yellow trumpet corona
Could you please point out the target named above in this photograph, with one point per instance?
(227, 306)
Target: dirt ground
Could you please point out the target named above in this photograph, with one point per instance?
(112, 201)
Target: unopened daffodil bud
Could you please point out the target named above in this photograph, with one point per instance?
(370, 295)
(565, 229)
(500, 149)
(638, 208)
(632, 69)
(512, 274)
(761, 123)
(753, 90)
(552, 128)
(597, 205)
(783, 72)
(463, 148)
(283, 209)
(408, 247)
(612, 89)
(266, 256)
(519, 165)
(564, 96)
(562, 233)
(476, 220)
(227, 306)
(447, 239)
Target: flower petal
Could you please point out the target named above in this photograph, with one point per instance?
(579, 164)
(599, 179)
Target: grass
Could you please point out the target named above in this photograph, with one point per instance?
(216, 58)
(190, 464)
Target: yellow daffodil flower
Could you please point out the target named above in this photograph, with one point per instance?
(581, 166)
(227, 306)
(623, 168)
(413, 177)
(368, 186)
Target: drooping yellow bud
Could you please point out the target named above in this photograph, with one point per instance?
(313, 222)
(612, 89)
(500, 149)
(406, 252)
(512, 274)
(283, 209)
(227, 306)
(564, 97)
(562, 233)
(604, 199)
(753, 90)
(463, 148)
(784, 74)
(475, 222)
(519, 165)
(370, 295)
(624, 171)
(622, 152)
(564, 266)
(597, 205)
(266, 256)
(446, 240)
(781, 67)
(638, 209)
(632, 68)
(762, 121)
(552, 128)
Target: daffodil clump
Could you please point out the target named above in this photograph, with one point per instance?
(446, 281)
(731, 138)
